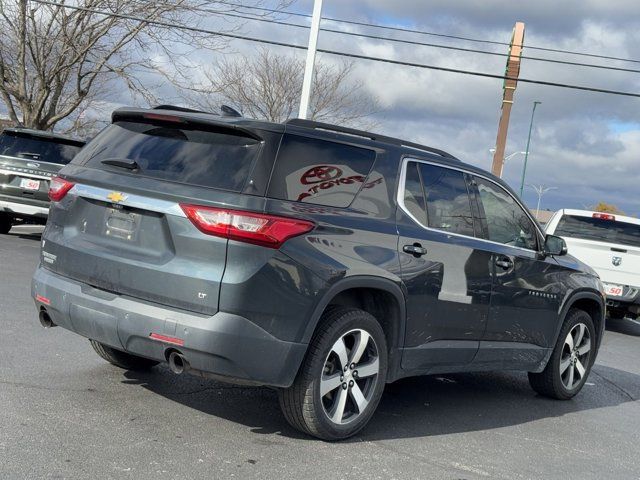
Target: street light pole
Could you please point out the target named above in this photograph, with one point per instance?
(311, 59)
(508, 157)
(526, 155)
(540, 190)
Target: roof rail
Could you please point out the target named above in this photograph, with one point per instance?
(299, 122)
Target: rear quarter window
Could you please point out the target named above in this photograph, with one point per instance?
(320, 172)
(217, 158)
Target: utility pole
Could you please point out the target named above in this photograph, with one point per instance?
(526, 155)
(509, 89)
(311, 59)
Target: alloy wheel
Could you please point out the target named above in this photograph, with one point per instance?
(349, 376)
(576, 353)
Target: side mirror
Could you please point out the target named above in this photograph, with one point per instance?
(554, 245)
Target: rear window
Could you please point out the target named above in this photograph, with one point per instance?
(217, 158)
(23, 145)
(320, 172)
(601, 230)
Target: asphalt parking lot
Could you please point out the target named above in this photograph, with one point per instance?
(65, 413)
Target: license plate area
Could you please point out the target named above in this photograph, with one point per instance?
(613, 290)
(29, 184)
(122, 224)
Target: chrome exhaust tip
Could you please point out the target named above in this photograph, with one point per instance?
(177, 363)
(45, 319)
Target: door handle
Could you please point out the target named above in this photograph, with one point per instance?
(504, 263)
(416, 250)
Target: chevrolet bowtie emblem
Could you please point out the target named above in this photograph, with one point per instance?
(116, 197)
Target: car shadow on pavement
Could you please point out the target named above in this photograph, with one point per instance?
(624, 325)
(412, 407)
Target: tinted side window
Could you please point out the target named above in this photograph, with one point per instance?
(448, 202)
(506, 221)
(414, 194)
(318, 171)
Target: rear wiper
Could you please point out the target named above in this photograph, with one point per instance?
(122, 163)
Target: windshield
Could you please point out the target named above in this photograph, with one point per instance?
(30, 147)
(598, 229)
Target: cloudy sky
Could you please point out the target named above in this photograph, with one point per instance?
(585, 145)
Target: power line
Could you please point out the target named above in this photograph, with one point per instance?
(433, 34)
(424, 44)
(341, 54)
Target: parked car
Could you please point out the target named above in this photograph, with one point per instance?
(317, 259)
(28, 161)
(611, 245)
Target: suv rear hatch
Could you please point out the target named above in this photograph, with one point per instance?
(122, 226)
(607, 244)
(28, 160)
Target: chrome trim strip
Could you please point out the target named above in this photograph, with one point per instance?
(60, 165)
(400, 200)
(130, 200)
(24, 174)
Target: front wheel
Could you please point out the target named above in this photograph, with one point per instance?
(571, 360)
(342, 378)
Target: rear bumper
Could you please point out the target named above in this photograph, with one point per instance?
(630, 297)
(24, 209)
(223, 345)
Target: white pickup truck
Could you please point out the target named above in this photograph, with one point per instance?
(610, 244)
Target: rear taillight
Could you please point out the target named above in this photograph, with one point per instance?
(257, 228)
(58, 188)
(604, 216)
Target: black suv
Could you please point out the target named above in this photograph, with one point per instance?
(320, 260)
(28, 161)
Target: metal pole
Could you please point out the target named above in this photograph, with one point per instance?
(539, 199)
(311, 58)
(541, 190)
(526, 154)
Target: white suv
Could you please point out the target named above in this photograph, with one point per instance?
(610, 244)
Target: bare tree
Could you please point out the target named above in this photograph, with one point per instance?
(268, 86)
(55, 60)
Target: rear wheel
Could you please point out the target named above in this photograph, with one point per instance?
(122, 359)
(342, 378)
(5, 223)
(571, 360)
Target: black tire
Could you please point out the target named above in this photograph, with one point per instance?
(5, 223)
(302, 403)
(122, 359)
(549, 382)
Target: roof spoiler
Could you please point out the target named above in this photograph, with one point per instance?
(184, 117)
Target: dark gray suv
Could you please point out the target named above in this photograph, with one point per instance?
(316, 259)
